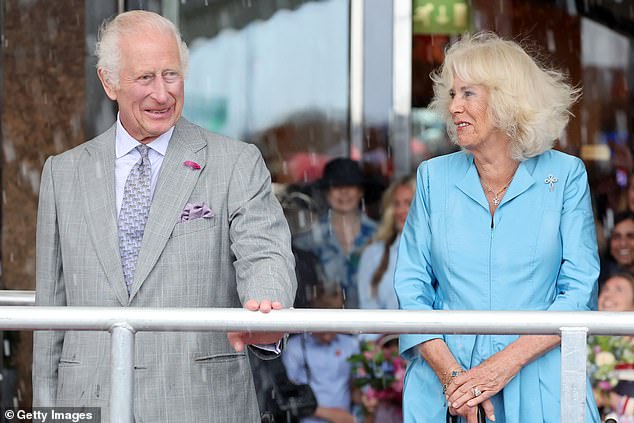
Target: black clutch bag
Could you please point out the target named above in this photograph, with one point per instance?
(481, 416)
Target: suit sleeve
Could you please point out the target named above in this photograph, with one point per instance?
(579, 271)
(414, 279)
(259, 234)
(50, 291)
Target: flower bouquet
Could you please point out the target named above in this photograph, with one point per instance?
(379, 371)
(604, 354)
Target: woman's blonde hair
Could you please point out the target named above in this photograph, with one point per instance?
(386, 231)
(527, 101)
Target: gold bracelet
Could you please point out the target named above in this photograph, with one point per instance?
(448, 377)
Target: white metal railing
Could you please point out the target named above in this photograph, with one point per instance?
(124, 322)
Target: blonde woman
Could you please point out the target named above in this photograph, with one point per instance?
(504, 224)
(376, 267)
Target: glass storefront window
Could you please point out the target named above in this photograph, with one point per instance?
(276, 76)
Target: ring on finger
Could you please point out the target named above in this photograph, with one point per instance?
(476, 392)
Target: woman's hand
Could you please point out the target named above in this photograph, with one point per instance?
(436, 353)
(477, 385)
(491, 376)
(471, 413)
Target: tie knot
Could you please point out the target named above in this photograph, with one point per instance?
(143, 150)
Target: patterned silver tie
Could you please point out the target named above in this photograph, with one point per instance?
(133, 215)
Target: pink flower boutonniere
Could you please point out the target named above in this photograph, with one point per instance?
(193, 165)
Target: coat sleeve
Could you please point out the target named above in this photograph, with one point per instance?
(579, 271)
(259, 234)
(414, 279)
(50, 291)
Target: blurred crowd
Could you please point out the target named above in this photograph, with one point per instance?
(344, 259)
(611, 358)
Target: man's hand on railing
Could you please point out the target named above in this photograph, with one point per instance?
(238, 340)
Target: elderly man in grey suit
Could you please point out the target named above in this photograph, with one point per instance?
(157, 212)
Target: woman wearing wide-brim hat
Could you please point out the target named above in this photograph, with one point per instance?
(342, 232)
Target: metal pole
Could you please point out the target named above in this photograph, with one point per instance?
(171, 10)
(400, 124)
(17, 298)
(573, 374)
(122, 374)
(315, 320)
(356, 78)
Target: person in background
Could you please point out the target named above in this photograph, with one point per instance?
(621, 247)
(157, 212)
(378, 260)
(504, 224)
(342, 232)
(617, 295)
(321, 360)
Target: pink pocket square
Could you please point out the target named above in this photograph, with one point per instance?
(196, 211)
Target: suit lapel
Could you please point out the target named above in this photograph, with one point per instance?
(96, 175)
(174, 187)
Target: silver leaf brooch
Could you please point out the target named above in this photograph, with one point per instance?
(551, 181)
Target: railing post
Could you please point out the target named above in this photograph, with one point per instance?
(573, 374)
(122, 374)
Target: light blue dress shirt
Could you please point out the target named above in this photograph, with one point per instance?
(538, 252)
(385, 297)
(126, 156)
(330, 370)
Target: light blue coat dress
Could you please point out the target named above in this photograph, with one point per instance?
(538, 252)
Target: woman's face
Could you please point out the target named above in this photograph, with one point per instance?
(622, 243)
(345, 198)
(617, 294)
(469, 111)
(401, 200)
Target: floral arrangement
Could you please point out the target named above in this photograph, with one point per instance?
(604, 353)
(379, 371)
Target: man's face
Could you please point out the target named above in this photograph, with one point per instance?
(150, 93)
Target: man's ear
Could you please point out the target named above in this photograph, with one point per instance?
(107, 86)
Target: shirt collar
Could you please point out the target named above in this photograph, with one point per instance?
(124, 143)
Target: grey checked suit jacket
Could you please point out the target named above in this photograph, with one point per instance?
(242, 253)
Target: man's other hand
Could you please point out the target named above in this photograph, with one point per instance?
(238, 340)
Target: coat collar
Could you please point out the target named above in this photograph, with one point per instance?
(470, 184)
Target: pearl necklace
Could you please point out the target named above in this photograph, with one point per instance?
(496, 195)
